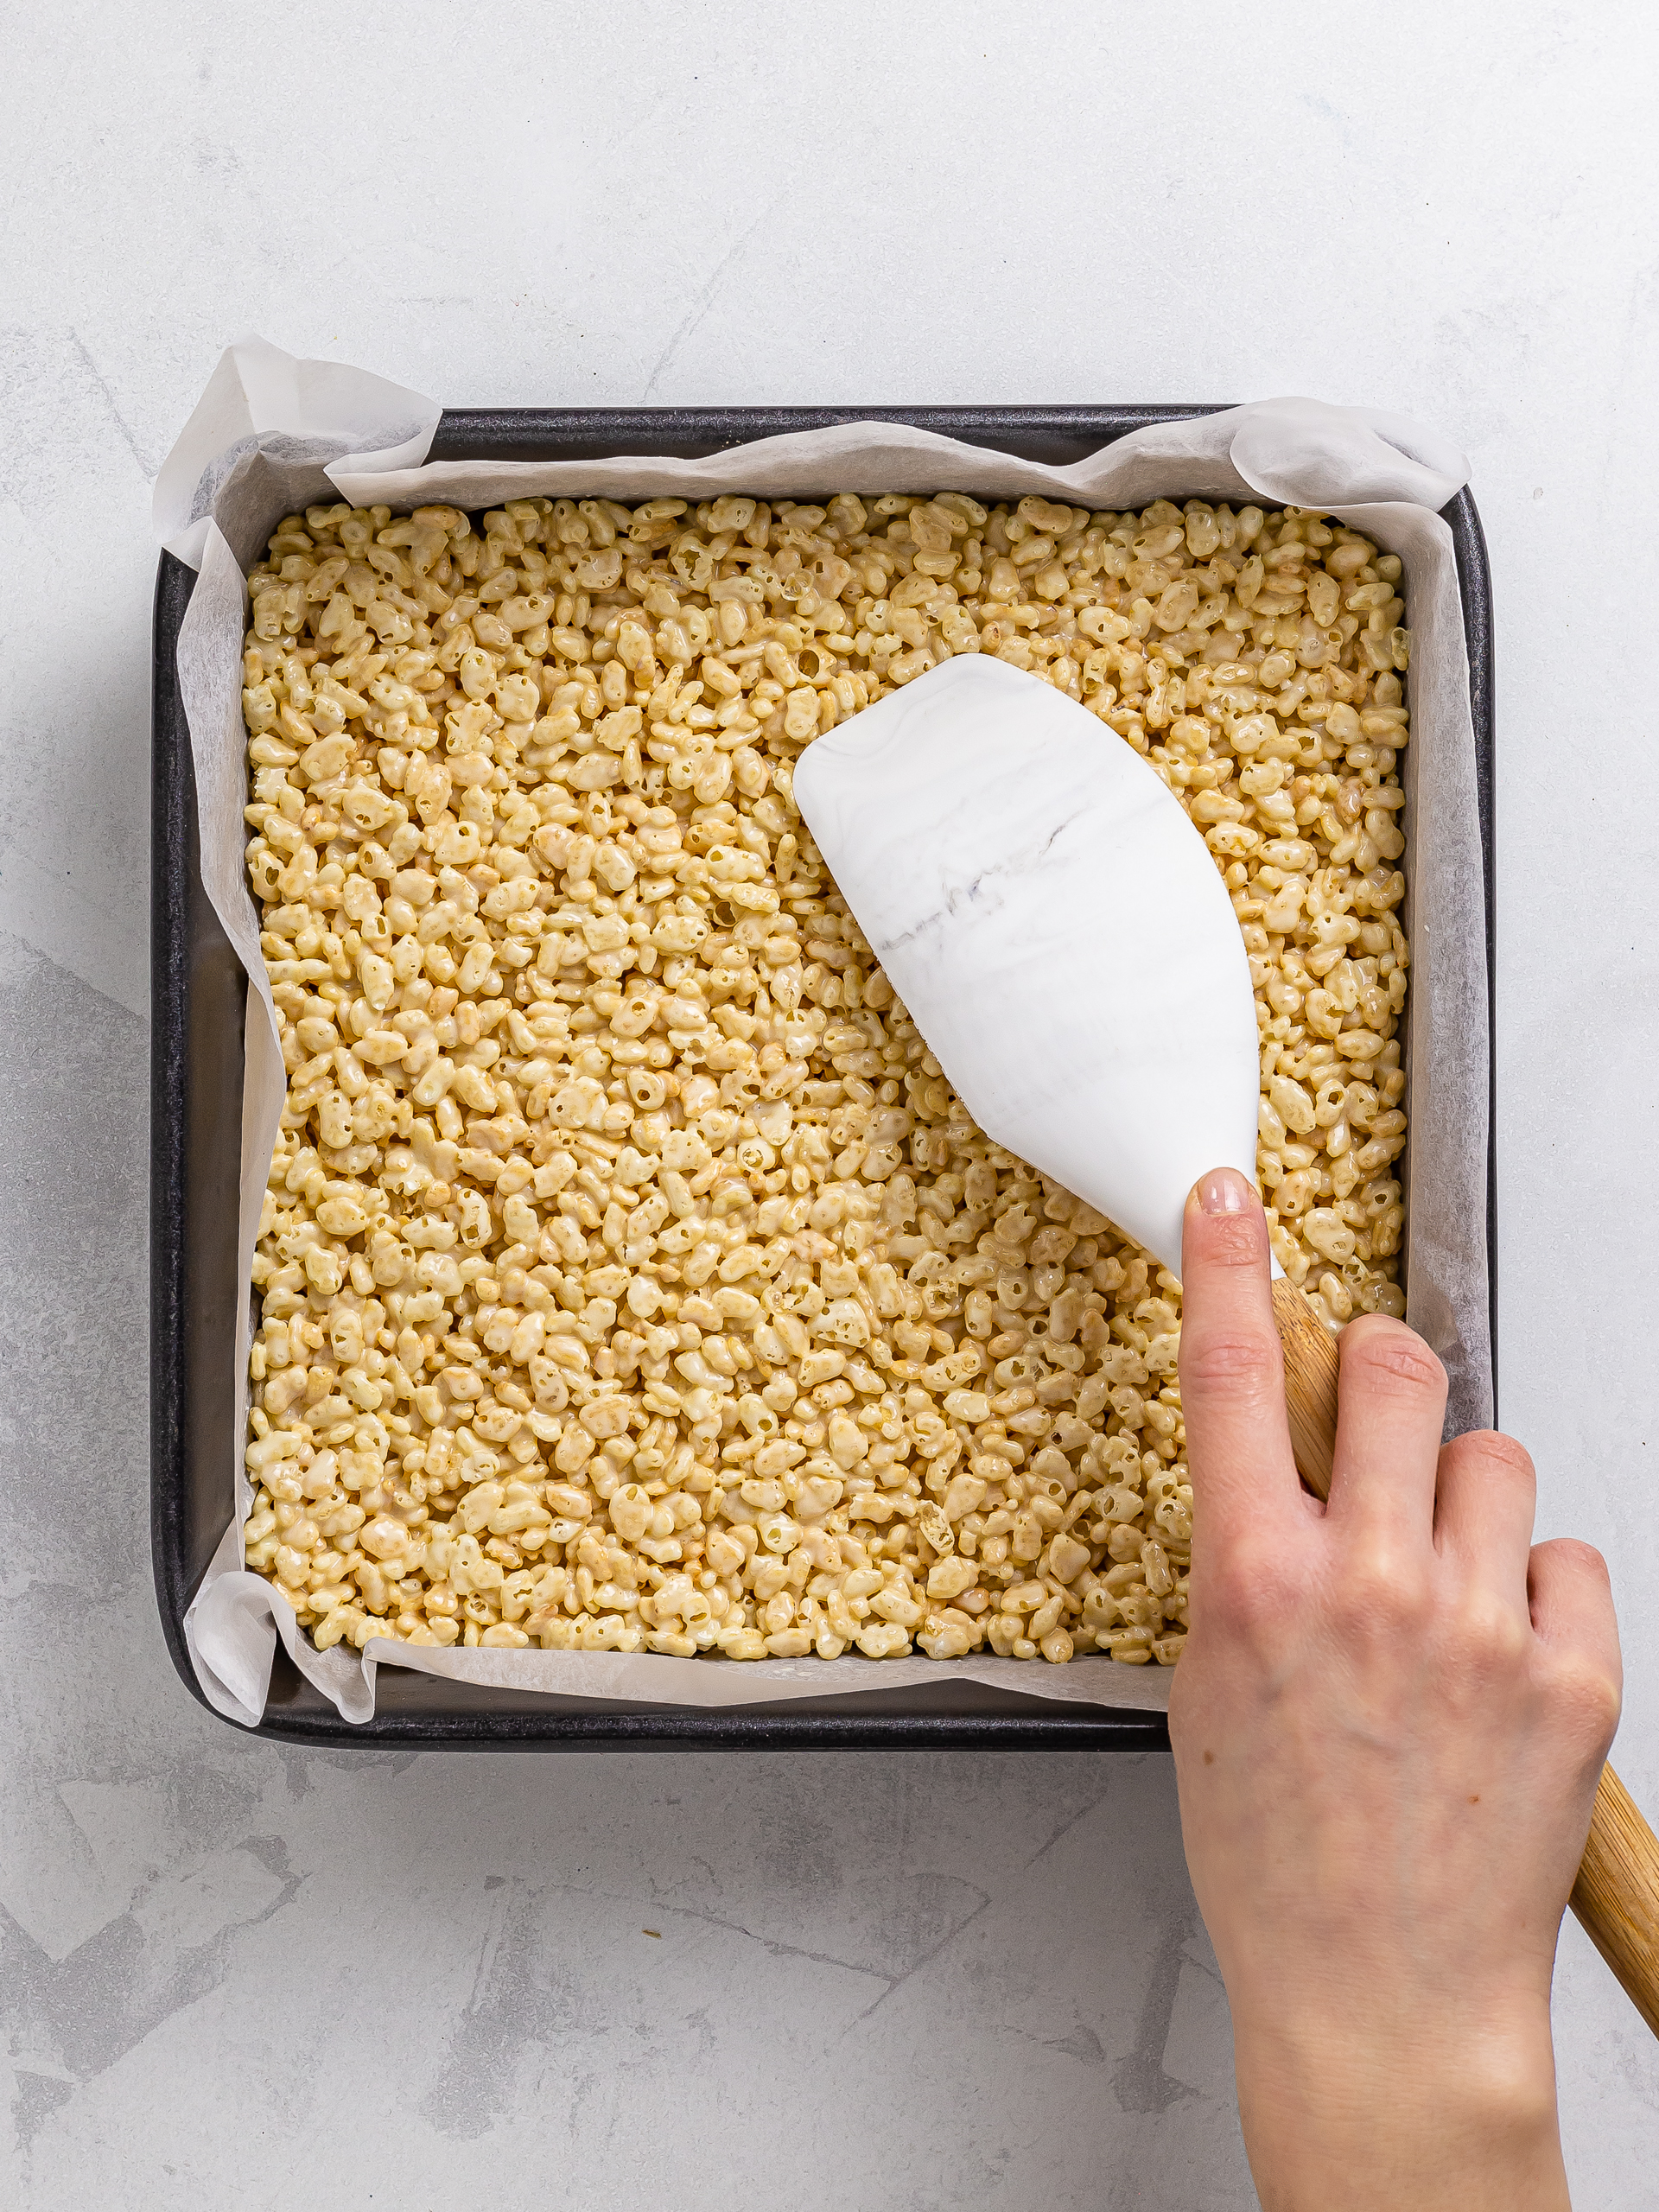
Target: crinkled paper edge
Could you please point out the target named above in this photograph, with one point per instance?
(272, 433)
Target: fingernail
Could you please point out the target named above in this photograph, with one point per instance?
(1224, 1190)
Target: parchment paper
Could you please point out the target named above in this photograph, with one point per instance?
(272, 434)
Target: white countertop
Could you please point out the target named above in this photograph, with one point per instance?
(236, 1973)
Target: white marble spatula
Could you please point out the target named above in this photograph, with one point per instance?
(1062, 939)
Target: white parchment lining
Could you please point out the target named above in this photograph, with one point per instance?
(272, 434)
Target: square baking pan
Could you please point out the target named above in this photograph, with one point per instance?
(198, 1002)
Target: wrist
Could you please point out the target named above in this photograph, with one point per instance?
(1375, 2116)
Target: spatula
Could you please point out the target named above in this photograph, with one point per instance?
(1061, 936)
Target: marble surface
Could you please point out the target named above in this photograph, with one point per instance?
(230, 1973)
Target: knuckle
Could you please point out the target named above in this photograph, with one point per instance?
(1491, 1453)
(1486, 1637)
(1579, 1558)
(1391, 1357)
(1248, 1591)
(1228, 1360)
(1387, 1592)
(1586, 1696)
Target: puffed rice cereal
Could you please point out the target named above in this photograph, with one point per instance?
(630, 1277)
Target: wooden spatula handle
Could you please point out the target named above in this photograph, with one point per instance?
(1616, 1894)
(1311, 1362)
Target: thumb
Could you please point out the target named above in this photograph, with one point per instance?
(1232, 1372)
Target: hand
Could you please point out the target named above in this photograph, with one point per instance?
(1388, 1721)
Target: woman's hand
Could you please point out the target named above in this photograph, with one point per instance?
(1388, 1721)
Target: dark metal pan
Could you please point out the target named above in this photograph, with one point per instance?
(198, 1000)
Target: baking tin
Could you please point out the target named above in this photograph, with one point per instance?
(198, 1002)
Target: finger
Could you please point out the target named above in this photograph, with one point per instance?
(1389, 1410)
(1232, 1375)
(1573, 1616)
(1571, 1599)
(1484, 1506)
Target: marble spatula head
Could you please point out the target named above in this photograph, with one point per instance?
(1057, 928)
(1060, 933)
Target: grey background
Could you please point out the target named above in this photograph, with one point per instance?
(231, 1972)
